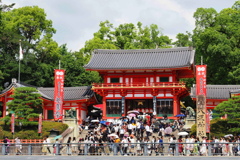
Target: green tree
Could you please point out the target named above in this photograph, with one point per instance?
(30, 25)
(231, 108)
(76, 75)
(217, 38)
(26, 104)
(126, 36)
(183, 40)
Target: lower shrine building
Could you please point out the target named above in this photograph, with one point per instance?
(217, 94)
(147, 80)
(76, 98)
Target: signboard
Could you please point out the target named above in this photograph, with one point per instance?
(201, 76)
(58, 93)
(40, 123)
(12, 123)
(201, 116)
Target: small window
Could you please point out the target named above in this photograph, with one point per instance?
(50, 114)
(164, 79)
(115, 80)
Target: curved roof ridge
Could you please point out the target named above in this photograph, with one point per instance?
(105, 59)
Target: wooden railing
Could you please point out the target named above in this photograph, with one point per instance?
(28, 140)
(139, 85)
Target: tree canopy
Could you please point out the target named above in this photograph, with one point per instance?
(231, 108)
(216, 37)
(26, 104)
(126, 36)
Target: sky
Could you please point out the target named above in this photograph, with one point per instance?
(77, 20)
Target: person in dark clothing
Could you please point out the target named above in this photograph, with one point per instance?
(6, 142)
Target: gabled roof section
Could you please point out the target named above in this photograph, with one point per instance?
(14, 84)
(141, 59)
(216, 91)
(70, 93)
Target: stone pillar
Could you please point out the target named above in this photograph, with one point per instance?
(154, 105)
(123, 105)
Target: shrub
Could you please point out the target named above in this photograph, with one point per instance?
(31, 131)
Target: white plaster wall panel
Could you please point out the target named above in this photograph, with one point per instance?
(129, 95)
(169, 95)
(108, 80)
(121, 80)
(149, 95)
(138, 95)
(109, 95)
(67, 104)
(118, 95)
(170, 79)
(151, 79)
(160, 95)
(83, 114)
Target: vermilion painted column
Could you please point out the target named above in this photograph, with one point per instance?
(175, 106)
(104, 108)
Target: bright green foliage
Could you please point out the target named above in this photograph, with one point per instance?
(76, 75)
(219, 128)
(28, 24)
(126, 36)
(231, 108)
(183, 40)
(217, 38)
(26, 104)
(31, 131)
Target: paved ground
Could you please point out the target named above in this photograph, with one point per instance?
(111, 158)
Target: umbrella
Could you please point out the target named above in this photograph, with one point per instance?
(182, 133)
(168, 130)
(95, 120)
(229, 135)
(112, 135)
(132, 115)
(133, 111)
(57, 137)
(103, 123)
(180, 115)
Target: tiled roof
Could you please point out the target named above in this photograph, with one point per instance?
(12, 85)
(141, 59)
(216, 91)
(70, 93)
(235, 91)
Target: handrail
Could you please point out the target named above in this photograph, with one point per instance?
(140, 85)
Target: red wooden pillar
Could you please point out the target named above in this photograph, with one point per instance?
(104, 107)
(175, 105)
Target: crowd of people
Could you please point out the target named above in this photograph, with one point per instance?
(140, 136)
(136, 135)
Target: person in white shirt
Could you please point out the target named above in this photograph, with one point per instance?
(147, 128)
(48, 144)
(116, 129)
(138, 124)
(132, 145)
(130, 127)
(121, 132)
(125, 143)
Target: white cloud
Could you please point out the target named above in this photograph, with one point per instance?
(77, 20)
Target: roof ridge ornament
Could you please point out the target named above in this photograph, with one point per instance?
(14, 80)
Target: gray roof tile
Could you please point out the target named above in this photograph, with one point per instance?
(141, 59)
(70, 93)
(216, 91)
